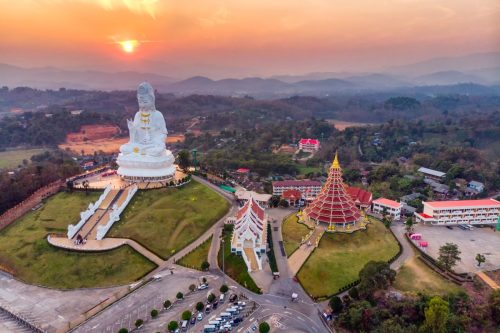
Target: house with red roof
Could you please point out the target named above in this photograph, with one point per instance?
(361, 197)
(387, 206)
(310, 145)
(249, 238)
(292, 196)
(482, 211)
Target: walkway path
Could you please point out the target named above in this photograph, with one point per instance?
(251, 257)
(300, 256)
(488, 280)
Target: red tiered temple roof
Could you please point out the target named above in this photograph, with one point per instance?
(333, 204)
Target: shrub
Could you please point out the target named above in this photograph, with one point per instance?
(353, 292)
(154, 313)
(336, 304)
(264, 327)
(205, 266)
(139, 322)
(123, 330)
(167, 304)
(172, 326)
(224, 288)
(179, 295)
(199, 306)
(211, 298)
(192, 287)
(186, 315)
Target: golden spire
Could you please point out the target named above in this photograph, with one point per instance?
(335, 163)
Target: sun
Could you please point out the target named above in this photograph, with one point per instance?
(129, 46)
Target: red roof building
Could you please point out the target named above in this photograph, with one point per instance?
(333, 205)
(292, 196)
(361, 197)
(309, 144)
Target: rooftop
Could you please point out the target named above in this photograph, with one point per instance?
(387, 202)
(309, 141)
(463, 203)
(296, 183)
(432, 172)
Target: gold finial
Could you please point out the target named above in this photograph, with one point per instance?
(335, 163)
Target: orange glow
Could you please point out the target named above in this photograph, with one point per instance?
(129, 46)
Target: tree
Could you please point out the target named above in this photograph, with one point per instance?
(192, 287)
(167, 304)
(154, 313)
(375, 275)
(179, 295)
(184, 159)
(205, 266)
(436, 315)
(409, 224)
(172, 326)
(138, 323)
(264, 327)
(223, 289)
(494, 304)
(353, 292)
(200, 306)
(186, 315)
(123, 330)
(204, 280)
(480, 259)
(211, 298)
(336, 304)
(448, 255)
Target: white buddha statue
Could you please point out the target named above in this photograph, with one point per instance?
(144, 157)
(148, 130)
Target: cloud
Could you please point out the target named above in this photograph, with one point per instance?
(148, 7)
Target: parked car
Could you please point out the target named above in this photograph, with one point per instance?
(200, 316)
(202, 286)
(449, 227)
(233, 298)
(193, 320)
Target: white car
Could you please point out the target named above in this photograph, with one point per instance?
(202, 286)
(200, 316)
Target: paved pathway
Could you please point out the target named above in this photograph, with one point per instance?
(488, 280)
(300, 256)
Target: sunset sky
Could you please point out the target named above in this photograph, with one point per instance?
(242, 37)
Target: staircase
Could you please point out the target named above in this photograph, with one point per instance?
(250, 254)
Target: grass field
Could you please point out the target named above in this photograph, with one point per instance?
(304, 170)
(197, 257)
(168, 219)
(25, 251)
(235, 266)
(13, 158)
(415, 276)
(339, 258)
(292, 233)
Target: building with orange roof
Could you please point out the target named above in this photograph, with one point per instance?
(249, 238)
(387, 206)
(292, 196)
(361, 197)
(482, 211)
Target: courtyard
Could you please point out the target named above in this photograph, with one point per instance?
(470, 242)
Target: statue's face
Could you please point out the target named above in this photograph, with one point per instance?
(145, 101)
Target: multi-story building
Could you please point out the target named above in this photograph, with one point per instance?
(432, 174)
(483, 211)
(308, 188)
(310, 145)
(387, 206)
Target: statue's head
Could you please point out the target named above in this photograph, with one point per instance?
(146, 96)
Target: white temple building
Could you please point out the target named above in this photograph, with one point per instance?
(250, 234)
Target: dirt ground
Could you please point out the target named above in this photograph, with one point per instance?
(107, 145)
(342, 125)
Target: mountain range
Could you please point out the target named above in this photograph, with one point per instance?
(481, 71)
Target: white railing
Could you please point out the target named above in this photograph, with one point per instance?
(114, 216)
(84, 216)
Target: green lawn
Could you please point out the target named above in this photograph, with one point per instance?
(13, 158)
(235, 266)
(25, 251)
(304, 170)
(292, 233)
(197, 257)
(168, 219)
(415, 276)
(339, 258)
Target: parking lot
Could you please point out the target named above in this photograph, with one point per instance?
(470, 242)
